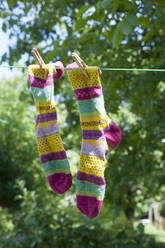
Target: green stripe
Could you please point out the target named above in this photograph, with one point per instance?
(97, 190)
(38, 100)
(45, 93)
(56, 165)
(91, 114)
(51, 172)
(92, 105)
(81, 192)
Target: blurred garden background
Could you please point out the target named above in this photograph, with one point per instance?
(108, 33)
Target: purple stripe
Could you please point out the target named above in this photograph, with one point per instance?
(41, 83)
(53, 156)
(93, 150)
(47, 131)
(90, 178)
(96, 134)
(47, 117)
(37, 119)
(92, 134)
(112, 133)
(88, 93)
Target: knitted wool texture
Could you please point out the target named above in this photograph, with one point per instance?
(52, 154)
(100, 135)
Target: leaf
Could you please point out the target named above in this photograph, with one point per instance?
(82, 10)
(106, 4)
(80, 24)
(160, 3)
(132, 19)
(140, 228)
(115, 5)
(118, 37)
(148, 6)
(124, 27)
(144, 22)
(10, 3)
(4, 27)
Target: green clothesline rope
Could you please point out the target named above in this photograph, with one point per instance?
(6, 122)
(12, 66)
(101, 68)
(128, 69)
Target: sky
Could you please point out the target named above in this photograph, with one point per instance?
(4, 44)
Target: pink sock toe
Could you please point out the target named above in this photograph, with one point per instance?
(89, 205)
(60, 182)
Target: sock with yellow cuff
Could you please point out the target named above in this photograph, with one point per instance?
(52, 154)
(100, 135)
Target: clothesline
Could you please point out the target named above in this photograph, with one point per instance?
(3, 121)
(101, 68)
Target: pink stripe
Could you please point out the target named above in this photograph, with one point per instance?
(47, 117)
(53, 156)
(88, 93)
(90, 178)
(41, 83)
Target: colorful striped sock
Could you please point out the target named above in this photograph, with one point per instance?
(52, 154)
(100, 135)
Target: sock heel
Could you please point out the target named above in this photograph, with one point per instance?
(113, 135)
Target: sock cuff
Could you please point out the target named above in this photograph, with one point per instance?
(42, 86)
(51, 71)
(78, 79)
(36, 71)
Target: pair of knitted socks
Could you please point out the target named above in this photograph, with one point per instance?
(100, 134)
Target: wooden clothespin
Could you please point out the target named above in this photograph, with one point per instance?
(81, 64)
(38, 59)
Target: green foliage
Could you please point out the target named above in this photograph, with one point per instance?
(17, 139)
(107, 33)
(49, 222)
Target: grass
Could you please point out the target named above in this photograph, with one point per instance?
(158, 235)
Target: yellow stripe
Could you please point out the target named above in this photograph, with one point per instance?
(97, 127)
(92, 165)
(96, 143)
(46, 107)
(93, 118)
(45, 104)
(47, 111)
(89, 69)
(50, 144)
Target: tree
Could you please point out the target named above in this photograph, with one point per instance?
(115, 34)
(17, 139)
